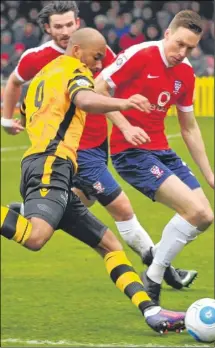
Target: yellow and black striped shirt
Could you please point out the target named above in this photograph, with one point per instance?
(53, 122)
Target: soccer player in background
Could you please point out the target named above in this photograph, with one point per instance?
(93, 180)
(55, 106)
(161, 72)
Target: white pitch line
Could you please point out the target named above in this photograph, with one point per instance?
(177, 135)
(23, 147)
(11, 159)
(79, 344)
(13, 148)
(16, 148)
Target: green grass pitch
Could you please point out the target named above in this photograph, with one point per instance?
(62, 295)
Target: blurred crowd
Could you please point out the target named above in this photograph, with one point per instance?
(123, 23)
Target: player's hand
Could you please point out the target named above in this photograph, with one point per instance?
(15, 129)
(210, 180)
(135, 135)
(138, 102)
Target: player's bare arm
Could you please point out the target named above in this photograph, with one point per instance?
(12, 95)
(193, 139)
(97, 103)
(134, 135)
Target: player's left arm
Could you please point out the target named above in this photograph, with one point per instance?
(193, 139)
(189, 127)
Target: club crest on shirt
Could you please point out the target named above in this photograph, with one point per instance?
(156, 171)
(98, 187)
(177, 86)
(121, 60)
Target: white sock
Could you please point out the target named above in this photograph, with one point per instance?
(155, 248)
(135, 235)
(152, 311)
(175, 236)
(156, 272)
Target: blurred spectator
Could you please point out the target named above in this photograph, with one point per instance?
(29, 38)
(12, 3)
(6, 42)
(4, 23)
(116, 6)
(112, 16)
(5, 66)
(2, 7)
(134, 36)
(101, 24)
(127, 17)
(33, 13)
(163, 19)
(96, 7)
(207, 41)
(198, 62)
(19, 48)
(120, 26)
(18, 28)
(153, 32)
(113, 40)
(210, 65)
(195, 6)
(138, 7)
(173, 7)
(147, 14)
(12, 14)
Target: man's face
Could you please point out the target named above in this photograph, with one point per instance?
(93, 56)
(61, 26)
(179, 44)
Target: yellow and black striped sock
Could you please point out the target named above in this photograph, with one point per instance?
(126, 279)
(14, 226)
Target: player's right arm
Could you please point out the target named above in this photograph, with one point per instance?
(81, 93)
(25, 71)
(12, 95)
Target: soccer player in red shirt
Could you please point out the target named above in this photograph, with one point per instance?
(93, 178)
(161, 72)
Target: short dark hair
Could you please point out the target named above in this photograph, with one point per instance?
(187, 19)
(56, 7)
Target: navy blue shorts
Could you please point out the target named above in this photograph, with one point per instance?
(147, 170)
(93, 177)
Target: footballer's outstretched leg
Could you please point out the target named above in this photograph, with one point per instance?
(176, 278)
(121, 271)
(127, 280)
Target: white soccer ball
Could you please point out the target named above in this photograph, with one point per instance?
(200, 320)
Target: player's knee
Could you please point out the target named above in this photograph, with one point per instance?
(110, 243)
(120, 208)
(37, 239)
(202, 217)
(206, 219)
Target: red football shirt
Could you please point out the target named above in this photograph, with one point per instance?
(34, 59)
(95, 130)
(143, 69)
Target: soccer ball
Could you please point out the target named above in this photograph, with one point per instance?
(200, 320)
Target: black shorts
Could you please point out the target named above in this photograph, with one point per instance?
(45, 188)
